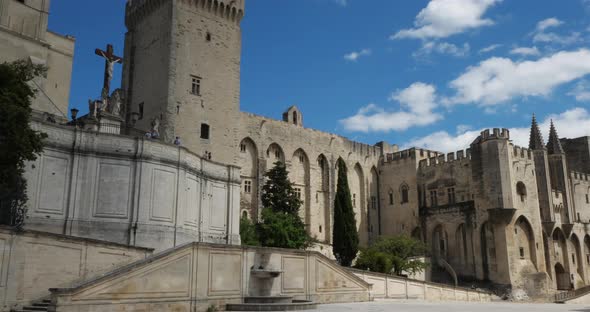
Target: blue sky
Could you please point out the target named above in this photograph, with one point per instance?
(426, 73)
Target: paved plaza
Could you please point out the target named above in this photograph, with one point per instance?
(420, 306)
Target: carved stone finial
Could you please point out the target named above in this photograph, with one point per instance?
(554, 145)
(536, 139)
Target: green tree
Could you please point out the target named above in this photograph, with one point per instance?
(282, 230)
(278, 193)
(397, 254)
(18, 142)
(281, 225)
(248, 232)
(345, 239)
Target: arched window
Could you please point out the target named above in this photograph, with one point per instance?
(521, 190)
(244, 214)
(405, 196)
(295, 118)
(390, 197)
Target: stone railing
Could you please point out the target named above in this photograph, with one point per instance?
(395, 287)
(195, 276)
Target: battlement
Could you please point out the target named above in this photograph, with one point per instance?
(495, 134)
(442, 159)
(522, 152)
(409, 154)
(579, 176)
(231, 10)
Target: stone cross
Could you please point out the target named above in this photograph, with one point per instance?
(110, 60)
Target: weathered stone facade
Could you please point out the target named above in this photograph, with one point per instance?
(24, 35)
(495, 212)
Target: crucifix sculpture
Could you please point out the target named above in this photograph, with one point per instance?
(110, 60)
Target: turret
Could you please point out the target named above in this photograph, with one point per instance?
(182, 72)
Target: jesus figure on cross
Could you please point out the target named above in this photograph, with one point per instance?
(110, 60)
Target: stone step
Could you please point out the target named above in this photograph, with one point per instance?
(269, 299)
(296, 305)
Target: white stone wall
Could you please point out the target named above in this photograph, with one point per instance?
(32, 262)
(130, 190)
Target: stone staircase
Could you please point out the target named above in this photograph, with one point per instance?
(37, 306)
(272, 303)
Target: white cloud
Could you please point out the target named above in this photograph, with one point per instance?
(548, 23)
(489, 48)
(540, 34)
(498, 80)
(525, 51)
(444, 18)
(581, 91)
(417, 104)
(443, 48)
(354, 56)
(571, 123)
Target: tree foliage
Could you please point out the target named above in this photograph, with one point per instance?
(345, 239)
(18, 142)
(278, 193)
(248, 232)
(282, 230)
(280, 225)
(397, 254)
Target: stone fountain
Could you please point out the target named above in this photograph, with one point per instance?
(262, 296)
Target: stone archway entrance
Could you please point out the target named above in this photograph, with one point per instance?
(562, 277)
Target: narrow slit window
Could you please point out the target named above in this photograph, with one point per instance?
(196, 85)
(205, 131)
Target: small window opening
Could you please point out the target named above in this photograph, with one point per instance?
(141, 111)
(208, 36)
(320, 228)
(391, 198)
(405, 196)
(244, 214)
(587, 199)
(433, 199)
(298, 193)
(301, 158)
(205, 131)
(521, 249)
(247, 187)
(451, 195)
(354, 200)
(196, 85)
(243, 148)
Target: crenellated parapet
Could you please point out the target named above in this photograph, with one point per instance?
(409, 154)
(579, 176)
(442, 159)
(495, 134)
(231, 10)
(522, 152)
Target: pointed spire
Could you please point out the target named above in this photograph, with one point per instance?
(554, 145)
(536, 139)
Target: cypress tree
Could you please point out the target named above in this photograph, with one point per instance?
(345, 239)
(278, 193)
(281, 225)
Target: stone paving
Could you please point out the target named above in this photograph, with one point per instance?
(421, 306)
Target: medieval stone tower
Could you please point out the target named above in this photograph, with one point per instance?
(182, 72)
